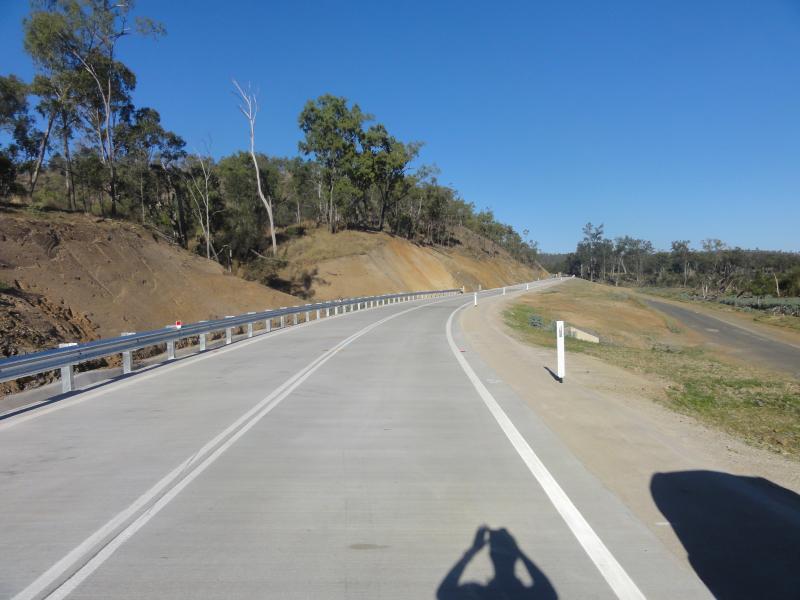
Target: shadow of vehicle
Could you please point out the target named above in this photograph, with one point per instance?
(742, 534)
(504, 553)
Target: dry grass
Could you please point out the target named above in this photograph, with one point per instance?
(322, 245)
(761, 408)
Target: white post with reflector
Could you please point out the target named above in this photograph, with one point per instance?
(475, 299)
(228, 332)
(67, 374)
(560, 350)
(127, 357)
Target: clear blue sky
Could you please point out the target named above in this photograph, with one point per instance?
(662, 119)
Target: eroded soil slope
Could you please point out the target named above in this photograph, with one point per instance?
(79, 277)
(356, 263)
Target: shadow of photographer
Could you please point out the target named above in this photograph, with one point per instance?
(504, 554)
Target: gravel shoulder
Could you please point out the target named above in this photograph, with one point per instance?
(604, 415)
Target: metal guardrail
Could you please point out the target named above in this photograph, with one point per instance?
(66, 357)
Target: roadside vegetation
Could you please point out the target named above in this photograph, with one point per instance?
(761, 408)
(779, 312)
(762, 281)
(72, 139)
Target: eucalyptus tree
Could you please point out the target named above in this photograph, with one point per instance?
(682, 254)
(249, 108)
(16, 122)
(202, 186)
(332, 130)
(84, 35)
(386, 159)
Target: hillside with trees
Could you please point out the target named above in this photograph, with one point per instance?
(73, 140)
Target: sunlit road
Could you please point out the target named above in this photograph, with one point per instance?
(356, 457)
(745, 344)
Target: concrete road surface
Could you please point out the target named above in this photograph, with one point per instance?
(742, 343)
(371, 455)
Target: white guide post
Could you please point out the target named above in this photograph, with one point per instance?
(560, 349)
(527, 286)
(127, 357)
(475, 299)
(504, 291)
(67, 374)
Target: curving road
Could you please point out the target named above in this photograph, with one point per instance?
(356, 457)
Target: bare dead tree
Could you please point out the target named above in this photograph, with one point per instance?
(249, 108)
(200, 191)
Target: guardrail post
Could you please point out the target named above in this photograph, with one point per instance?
(504, 291)
(317, 314)
(202, 342)
(250, 326)
(267, 325)
(127, 358)
(283, 321)
(294, 318)
(171, 350)
(67, 373)
(327, 312)
(228, 332)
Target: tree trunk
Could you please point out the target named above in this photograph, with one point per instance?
(141, 194)
(331, 224)
(69, 181)
(383, 212)
(40, 156)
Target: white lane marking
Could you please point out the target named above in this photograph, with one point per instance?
(57, 582)
(153, 371)
(619, 580)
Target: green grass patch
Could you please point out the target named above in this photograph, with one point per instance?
(762, 409)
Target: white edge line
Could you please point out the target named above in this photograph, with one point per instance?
(616, 576)
(161, 491)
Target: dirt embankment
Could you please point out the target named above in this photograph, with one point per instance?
(76, 277)
(73, 277)
(356, 263)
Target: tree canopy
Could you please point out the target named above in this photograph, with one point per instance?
(74, 139)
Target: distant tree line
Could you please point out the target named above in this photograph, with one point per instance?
(73, 139)
(713, 269)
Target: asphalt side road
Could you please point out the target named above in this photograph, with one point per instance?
(743, 344)
(372, 455)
